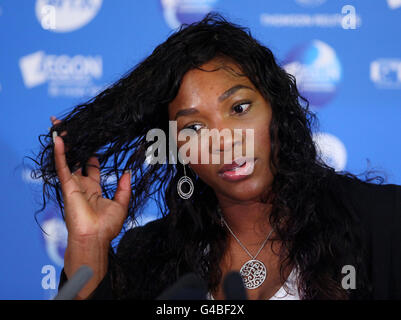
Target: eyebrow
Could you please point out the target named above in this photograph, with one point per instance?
(221, 98)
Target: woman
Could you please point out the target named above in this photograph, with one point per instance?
(294, 215)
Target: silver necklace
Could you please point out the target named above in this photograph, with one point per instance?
(253, 271)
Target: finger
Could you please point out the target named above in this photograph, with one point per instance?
(63, 172)
(80, 181)
(93, 170)
(55, 121)
(77, 172)
(123, 192)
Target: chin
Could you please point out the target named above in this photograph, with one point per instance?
(244, 191)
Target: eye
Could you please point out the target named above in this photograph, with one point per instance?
(241, 107)
(193, 126)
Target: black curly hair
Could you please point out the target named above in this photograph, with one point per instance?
(113, 125)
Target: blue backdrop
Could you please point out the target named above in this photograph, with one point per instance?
(346, 56)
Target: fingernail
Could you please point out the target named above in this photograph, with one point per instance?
(128, 171)
(54, 136)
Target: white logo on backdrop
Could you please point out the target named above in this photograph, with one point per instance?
(70, 76)
(331, 150)
(55, 239)
(386, 73)
(177, 12)
(66, 15)
(346, 18)
(319, 74)
(394, 4)
(317, 69)
(310, 3)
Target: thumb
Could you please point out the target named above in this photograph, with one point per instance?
(123, 192)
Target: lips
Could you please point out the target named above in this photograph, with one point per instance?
(240, 169)
(232, 166)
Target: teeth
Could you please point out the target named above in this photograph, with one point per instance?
(237, 168)
(240, 162)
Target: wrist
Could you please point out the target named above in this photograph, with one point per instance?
(87, 243)
(86, 251)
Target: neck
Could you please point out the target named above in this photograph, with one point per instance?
(249, 222)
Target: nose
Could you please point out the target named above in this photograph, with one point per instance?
(228, 140)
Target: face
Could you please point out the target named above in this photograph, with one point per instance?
(223, 100)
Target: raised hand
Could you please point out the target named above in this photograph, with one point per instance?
(87, 213)
(92, 221)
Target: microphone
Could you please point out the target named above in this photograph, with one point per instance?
(75, 284)
(188, 287)
(233, 287)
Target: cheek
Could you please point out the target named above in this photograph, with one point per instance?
(203, 148)
(258, 141)
(189, 149)
(206, 172)
(262, 144)
(262, 139)
(262, 134)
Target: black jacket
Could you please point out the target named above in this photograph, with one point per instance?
(377, 208)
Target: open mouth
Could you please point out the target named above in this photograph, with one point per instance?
(238, 170)
(241, 166)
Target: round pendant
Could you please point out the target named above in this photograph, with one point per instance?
(253, 273)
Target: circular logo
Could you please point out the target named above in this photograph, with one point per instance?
(317, 70)
(177, 12)
(331, 150)
(66, 15)
(55, 236)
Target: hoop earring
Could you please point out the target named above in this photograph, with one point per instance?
(185, 179)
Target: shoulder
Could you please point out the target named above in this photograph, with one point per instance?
(144, 234)
(376, 208)
(369, 200)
